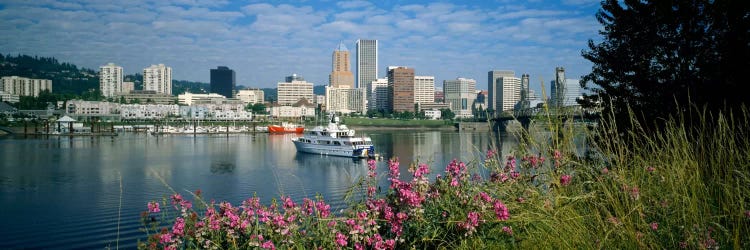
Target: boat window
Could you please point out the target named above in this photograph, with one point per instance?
(336, 143)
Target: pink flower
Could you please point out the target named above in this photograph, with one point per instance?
(490, 153)
(454, 182)
(635, 193)
(565, 180)
(153, 207)
(268, 245)
(508, 230)
(605, 170)
(515, 175)
(323, 208)
(165, 238)
(747, 214)
(654, 226)
(683, 244)
(520, 199)
(501, 211)
(557, 155)
(332, 223)
(422, 170)
(341, 239)
(650, 169)
(179, 227)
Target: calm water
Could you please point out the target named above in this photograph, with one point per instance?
(66, 192)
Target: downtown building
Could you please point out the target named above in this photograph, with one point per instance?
(158, 78)
(379, 98)
(460, 94)
(367, 66)
(504, 90)
(251, 96)
(341, 75)
(22, 86)
(400, 89)
(564, 92)
(223, 81)
(424, 89)
(110, 80)
(294, 90)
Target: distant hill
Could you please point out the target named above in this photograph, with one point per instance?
(67, 78)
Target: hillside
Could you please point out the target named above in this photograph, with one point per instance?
(67, 78)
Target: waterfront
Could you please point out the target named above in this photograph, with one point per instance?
(65, 192)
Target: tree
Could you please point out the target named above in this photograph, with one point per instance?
(258, 108)
(447, 114)
(660, 55)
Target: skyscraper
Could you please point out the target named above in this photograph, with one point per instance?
(379, 98)
(400, 89)
(158, 78)
(460, 93)
(557, 88)
(424, 89)
(367, 64)
(341, 76)
(110, 80)
(223, 81)
(504, 90)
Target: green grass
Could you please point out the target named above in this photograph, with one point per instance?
(358, 121)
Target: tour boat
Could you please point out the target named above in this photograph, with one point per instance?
(286, 128)
(336, 140)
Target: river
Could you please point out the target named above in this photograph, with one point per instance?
(63, 192)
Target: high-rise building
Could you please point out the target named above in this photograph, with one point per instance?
(439, 95)
(110, 80)
(158, 78)
(223, 81)
(379, 99)
(461, 94)
(345, 100)
(22, 86)
(557, 87)
(504, 90)
(424, 89)
(400, 89)
(572, 92)
(290, 93)
(367, 64)
(341, 76)
(524, 87)
(127, 87)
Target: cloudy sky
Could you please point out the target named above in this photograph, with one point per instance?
(265, 41)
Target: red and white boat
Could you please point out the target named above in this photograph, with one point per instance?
(286, 128)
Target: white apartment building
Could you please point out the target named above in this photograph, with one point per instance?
(291, 92)
(189, 98)
(148, 111)
(461, 94)
(251, 96)
(22, 86)
(7, 97)
(292, 112)
(345, 100)
(379, 98)
(81, 107)
(110, 80)
(158, 78)
(222, 112)
(433, 114)
(424, 89)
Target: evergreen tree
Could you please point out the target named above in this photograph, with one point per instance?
(659, 56)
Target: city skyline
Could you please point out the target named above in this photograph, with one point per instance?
(263, 42)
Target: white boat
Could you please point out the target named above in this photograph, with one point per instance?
(336, 140)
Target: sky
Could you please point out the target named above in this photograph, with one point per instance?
(264, 41)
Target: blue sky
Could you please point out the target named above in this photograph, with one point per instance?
(265, 41)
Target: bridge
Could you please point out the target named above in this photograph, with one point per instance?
(7, 130)
(526, 116)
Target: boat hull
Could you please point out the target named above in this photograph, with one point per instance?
(281, 129)
(344, 151)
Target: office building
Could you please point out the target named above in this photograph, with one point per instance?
(367, 64)
(504, 90)
(400, 89)
(379, 99)
(158, 78)
(294, 77)
(289, 93)
(557, 87)
(345, 100)
(110, 80)
(22, 86)
(341, 75)
(223, 81)
(251, 96)
(424, 89)
(460, 94)
(127, 87)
